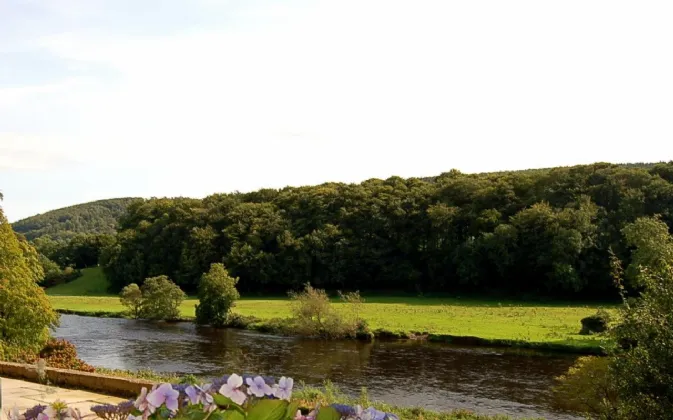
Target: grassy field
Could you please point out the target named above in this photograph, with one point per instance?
(508, 320)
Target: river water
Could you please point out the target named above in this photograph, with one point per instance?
(436, 376)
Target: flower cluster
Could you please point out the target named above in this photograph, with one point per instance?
(58, 410)
(120, 411)
(232, 396)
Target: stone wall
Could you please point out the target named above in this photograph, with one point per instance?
(109, 385)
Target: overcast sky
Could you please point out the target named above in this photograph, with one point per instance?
(112, 98)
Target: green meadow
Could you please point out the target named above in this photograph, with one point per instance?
(488, 319)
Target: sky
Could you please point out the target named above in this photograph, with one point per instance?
(119, 98)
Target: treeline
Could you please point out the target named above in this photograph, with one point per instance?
(545, 232)
(63, 224)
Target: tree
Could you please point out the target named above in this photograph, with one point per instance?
(25, 312)
(132, 297)
(217, 295)
(653, 248)
(641, 365)
(161, 299)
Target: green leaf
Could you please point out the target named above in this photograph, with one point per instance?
(328, 413)
(234, 415)
(223, 401)
(195, 413)
(268, 410)
(291, 410)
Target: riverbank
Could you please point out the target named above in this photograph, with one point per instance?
(551, 327)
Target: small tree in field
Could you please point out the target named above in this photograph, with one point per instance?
(217, 295)
(132, 297)
(161, 298)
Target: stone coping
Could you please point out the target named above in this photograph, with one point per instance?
(108, 385)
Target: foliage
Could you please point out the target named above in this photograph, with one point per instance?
(62, 224)
(217, 295)
(641, 364)
(25, 312)
(653, 248)
(57, 353)
(314, 315)
(161, 299)
(79, 251)
(54, 275)
(596, 323)
(534, 233)
(587, 388)
(132, 298)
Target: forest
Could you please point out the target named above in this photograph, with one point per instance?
(63, 224)
(545, 233)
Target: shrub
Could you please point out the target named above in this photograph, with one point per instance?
(217, 295)
(314, 315)
(132, 298)
(596, 323)
(161, 299)
(57, 353)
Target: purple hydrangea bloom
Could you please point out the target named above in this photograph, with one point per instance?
(283, 390)
(164, 394)
(258, 387)
(231, 389)
(344, 410)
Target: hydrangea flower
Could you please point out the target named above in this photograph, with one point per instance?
(143, 405)
(344, 410)
(283, 390)
(258, 387)
(200, 395)
(373, 414)
(231, 389)
(164, 394)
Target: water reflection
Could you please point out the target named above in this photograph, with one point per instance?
(407, 373)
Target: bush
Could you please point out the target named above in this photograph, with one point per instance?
(314, 315)
(132, 297)
(161, 299)
(217, 295)
(596, 323)
(57, 353)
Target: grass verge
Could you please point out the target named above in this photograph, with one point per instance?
(512, 324)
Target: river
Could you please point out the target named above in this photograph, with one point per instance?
(436, 376)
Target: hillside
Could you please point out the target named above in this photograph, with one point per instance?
(92, 283)
(94, 217)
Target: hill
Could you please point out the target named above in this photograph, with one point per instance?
(92, 283)
(94, 217)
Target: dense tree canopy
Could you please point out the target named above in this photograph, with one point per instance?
(538, 232)
(63, 224)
